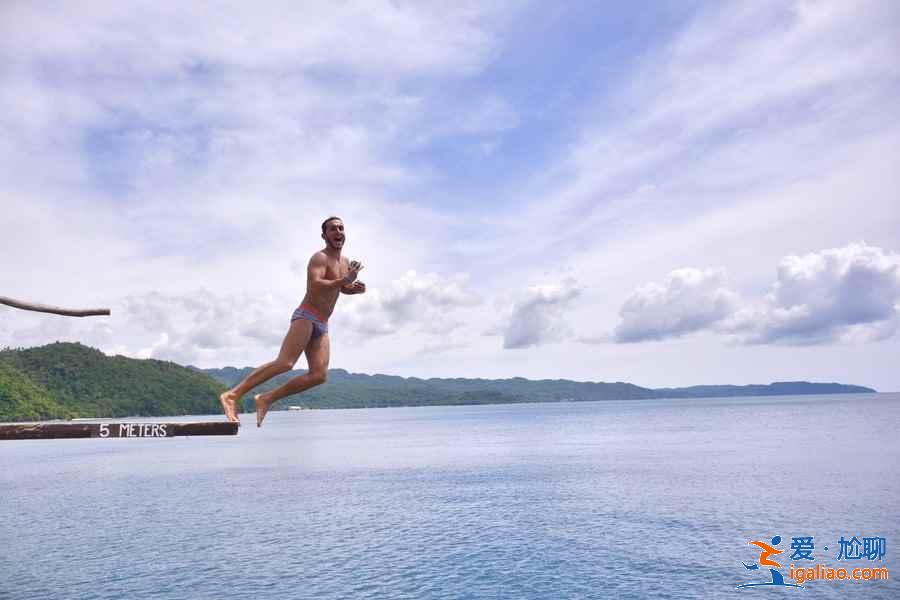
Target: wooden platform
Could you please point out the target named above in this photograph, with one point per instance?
(119, 429)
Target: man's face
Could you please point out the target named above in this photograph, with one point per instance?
(334, 234)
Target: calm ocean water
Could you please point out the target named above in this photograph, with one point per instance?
(627, 499)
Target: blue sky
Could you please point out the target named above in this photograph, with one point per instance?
(673, 193)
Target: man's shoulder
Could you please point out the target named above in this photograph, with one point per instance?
(318, 258)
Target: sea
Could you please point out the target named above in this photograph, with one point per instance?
(611, 499)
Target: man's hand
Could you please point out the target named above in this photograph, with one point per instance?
(357, 287)
(355, 268)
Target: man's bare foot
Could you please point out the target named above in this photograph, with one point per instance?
(229, 405)
(262, 407)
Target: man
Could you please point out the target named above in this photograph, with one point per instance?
(327, 276)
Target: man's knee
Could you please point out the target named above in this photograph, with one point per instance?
(284, 364)
(318, 377)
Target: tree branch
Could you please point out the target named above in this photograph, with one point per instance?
(53, 309)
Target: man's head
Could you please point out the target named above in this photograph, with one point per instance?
(333, 232)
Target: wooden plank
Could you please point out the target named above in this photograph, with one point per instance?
(118, 429)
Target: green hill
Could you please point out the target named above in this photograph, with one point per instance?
(22, 399)
(66, 380)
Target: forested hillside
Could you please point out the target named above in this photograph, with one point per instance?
(65, 380)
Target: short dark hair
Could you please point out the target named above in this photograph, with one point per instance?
(325, 222)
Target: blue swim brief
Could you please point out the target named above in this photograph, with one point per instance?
(320, 327)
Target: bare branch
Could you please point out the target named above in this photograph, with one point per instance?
(53, 309)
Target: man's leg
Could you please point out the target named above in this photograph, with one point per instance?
(318, 351)
(291, 348)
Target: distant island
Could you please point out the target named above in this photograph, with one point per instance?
(70, 380)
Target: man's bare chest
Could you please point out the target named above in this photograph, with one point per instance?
(335, 270)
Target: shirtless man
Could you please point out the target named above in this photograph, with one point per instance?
(327, 276)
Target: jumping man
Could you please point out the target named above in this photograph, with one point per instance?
(327, 276)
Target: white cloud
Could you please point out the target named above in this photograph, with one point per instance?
(839, 294)
(427, 303)
(203, 326)
(688, 300)
(842, 294)
(538, 317)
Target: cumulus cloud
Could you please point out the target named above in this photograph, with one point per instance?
(688, 300)
(538, 317)
(424, 303)
(203, 325)
(848, 294)
(839, 294)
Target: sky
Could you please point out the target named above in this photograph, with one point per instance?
(670, 193)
